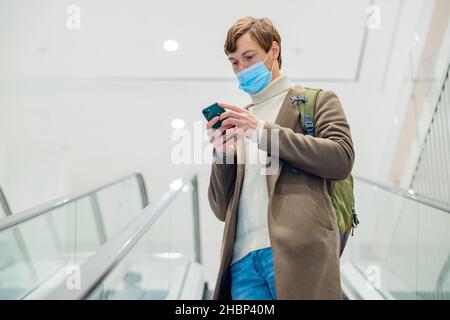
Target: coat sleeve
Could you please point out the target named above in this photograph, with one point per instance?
(221, 184)
(329, 154)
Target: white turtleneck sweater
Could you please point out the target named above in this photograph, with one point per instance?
(252, 232)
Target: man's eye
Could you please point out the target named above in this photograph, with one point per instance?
(249, 57)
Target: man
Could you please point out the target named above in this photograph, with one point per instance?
(281, 238)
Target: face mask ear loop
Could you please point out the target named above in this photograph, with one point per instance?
(264, 61)
(273, 63)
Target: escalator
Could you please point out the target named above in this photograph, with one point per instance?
(106, 243)
(41, 244)
(79, 249)
(156, 256)
(401, 250)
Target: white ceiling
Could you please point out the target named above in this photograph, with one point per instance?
(325, 43)
(322, 39)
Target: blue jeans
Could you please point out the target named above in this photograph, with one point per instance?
(253, 277)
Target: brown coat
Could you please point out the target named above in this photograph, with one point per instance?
(303, 227)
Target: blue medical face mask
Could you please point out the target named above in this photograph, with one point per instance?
(255, 78)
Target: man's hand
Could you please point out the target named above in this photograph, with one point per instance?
(244, 121)
(223, 139)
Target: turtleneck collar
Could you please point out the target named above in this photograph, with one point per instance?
(274, 88)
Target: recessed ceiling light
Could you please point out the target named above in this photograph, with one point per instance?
(171, 45)
(395, 121)
(177, 124)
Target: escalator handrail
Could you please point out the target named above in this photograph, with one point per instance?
(95, 269)
(4, 203)
(405, 194)
(26, 215)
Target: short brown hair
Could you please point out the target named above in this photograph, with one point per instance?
(261, 30)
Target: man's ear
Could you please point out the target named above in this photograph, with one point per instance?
(276, 49)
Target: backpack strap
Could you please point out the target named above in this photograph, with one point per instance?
(307, 104)
(306, 101)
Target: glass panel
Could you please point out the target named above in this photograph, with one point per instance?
(36, 252)
(434, 254)
(156, 266)
(42, 250)
(401, 247)
(118, 204)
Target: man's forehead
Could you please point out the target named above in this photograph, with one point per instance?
(243, 44)
(241, 51)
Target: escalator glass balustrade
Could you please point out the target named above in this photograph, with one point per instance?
(40, 246)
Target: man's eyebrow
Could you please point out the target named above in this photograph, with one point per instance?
(243, 53)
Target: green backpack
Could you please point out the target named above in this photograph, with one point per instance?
(341, 191)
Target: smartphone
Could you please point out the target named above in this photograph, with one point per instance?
(213, 111)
